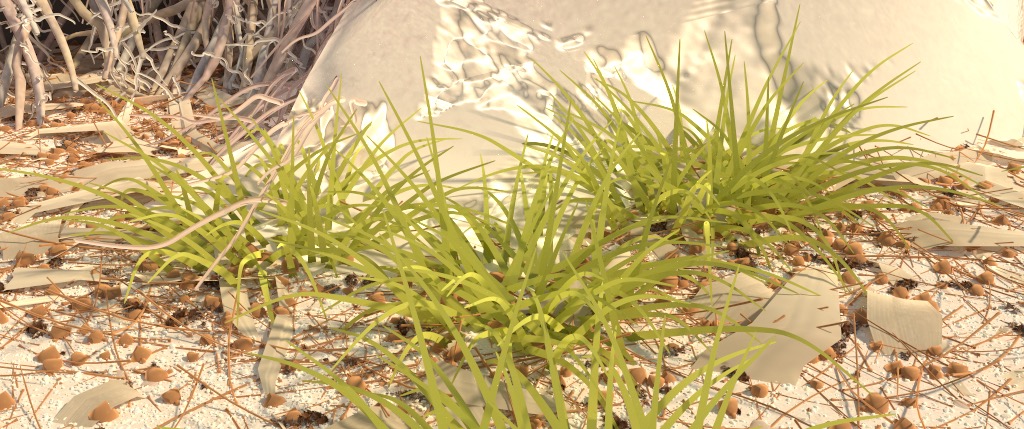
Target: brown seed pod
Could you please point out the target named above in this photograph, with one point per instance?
(1001, 220)
(986, 278)
(454, 353)
(105, 355)
(991, 261)
(943, 266)
(875, 345)
(211, 302)
(944, 181)
(669, 377)
(258, 310)
(816, 384)
(910, 401)
(957, 369)
(639, 374)
(292, 416)
(172, 396)
(273, 400)
(191, 356)
(39, 311)
(136, 314)
(669, 283)
(893, 368)
(96, 336)
(859, 258)
(859, 316)
(141, 354)
(875, 403)
(80, 304)
(934, 350)
(378, 297)
(1008, 252)
(105, 291)
(24, 259)
(56, 250)
(759, 390)
(6, 400)
(791, 248)
(888, 238)
(282, 310)
(850, 278)
(881, 279)
(498, 275)
(733, 408)
(78, 358)
(910, 373)
(156, 374)
(244, 344)
(900, 292)
(103, 413)
(206, 340)
(356, 381)
(977, 290)
(59, 332)
(799, 261)
(942, 204)
(935, 371)
(125, 340)
(53, 365)
(47, 353)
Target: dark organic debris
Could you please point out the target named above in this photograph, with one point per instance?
(1017, 328)
(910, 284)
(659, 227)
(37, 328)
(306, 419)
(620, 422)
(840, 347)
(182, 316)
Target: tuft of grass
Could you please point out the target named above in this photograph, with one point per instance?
(549, 278)
(767, 173)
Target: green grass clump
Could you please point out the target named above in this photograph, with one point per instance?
(748, 169)
(547, 278)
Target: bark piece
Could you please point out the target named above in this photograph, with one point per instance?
(748, 297)
(35, 277)
(808, 307)
(275, 342)
(950, 232)
(76, 410)
(903, 324)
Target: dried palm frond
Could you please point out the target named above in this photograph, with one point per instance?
(261, 49)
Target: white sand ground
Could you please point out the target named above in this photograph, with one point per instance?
(971, 64)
